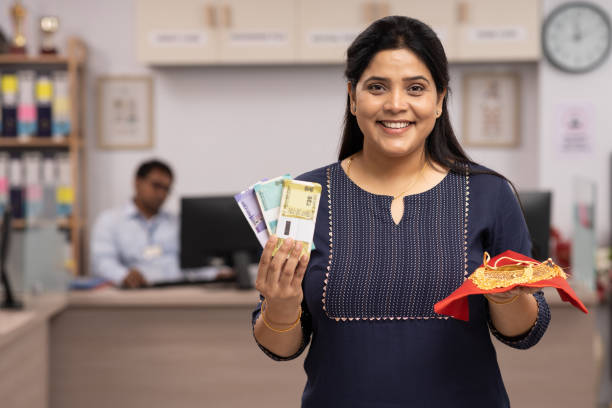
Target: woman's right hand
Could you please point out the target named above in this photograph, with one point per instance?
(279, 280)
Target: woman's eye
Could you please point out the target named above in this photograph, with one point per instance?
(416, 89)
(375, 87)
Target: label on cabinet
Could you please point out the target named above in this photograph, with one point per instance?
(249, 38)
(333, 38)
(177, 38)
(497, 34)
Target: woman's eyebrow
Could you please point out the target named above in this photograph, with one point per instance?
(377, 78)
(412, 78)
(415, 78)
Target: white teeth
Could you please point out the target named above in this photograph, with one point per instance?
(395, 125)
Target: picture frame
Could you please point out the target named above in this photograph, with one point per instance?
(491, 109)
(125, 112)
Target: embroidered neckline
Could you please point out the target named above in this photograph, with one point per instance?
(331, 242)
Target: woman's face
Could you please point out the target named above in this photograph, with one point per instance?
(395, 103)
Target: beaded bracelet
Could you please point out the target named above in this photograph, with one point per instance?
(507, 302)
(263, 317)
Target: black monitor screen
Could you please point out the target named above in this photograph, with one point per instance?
(537, 215)
(213, 227)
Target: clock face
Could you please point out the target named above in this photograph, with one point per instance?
(576, 37)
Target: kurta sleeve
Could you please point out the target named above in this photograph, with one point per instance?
(305, 321)
(510, 233)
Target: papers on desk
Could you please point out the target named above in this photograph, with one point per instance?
(88, 283)
(204, 273)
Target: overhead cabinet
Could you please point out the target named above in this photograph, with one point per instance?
(193, 32)
(498, 30)
(327, 28)
(199, 32)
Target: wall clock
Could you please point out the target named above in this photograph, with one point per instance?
(576, 37)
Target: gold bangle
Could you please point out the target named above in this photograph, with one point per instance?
(507, 302)
(263, 317)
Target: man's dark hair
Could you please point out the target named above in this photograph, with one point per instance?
(147, 167)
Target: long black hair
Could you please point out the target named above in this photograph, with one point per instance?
(400, 32)
(396, 32)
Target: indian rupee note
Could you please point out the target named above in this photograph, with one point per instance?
(250, 209)
(298, 212)
(268, 195)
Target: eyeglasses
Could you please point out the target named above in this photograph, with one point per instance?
(159, 186)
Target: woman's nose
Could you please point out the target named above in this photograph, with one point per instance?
(396, 102)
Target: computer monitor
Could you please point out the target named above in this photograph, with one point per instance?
(536, 206)
(5, 236)
(215, 227)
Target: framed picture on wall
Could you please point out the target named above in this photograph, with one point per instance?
(491, 109)
(125, 112)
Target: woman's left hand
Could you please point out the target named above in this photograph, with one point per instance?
(503, 297)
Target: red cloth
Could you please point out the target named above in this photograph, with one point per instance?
(456, 304)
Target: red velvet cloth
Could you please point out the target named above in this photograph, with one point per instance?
(456, 304)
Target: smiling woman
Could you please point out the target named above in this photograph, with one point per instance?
(407, 218)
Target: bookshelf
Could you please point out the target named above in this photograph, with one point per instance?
(73, 63)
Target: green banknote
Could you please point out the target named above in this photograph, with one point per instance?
(269, 195)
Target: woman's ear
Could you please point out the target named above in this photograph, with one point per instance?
(440, 102)
(353, 105)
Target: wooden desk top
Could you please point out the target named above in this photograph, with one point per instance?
(38, 310)
(189, 296)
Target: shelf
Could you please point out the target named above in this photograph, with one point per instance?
(75, 54)
(33, 142)
(17, 59)
(21, 224)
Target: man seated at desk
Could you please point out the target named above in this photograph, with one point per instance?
(138, 243)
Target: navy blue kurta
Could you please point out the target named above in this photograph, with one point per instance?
(370, 287)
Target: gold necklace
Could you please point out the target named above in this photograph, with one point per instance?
(395, 197)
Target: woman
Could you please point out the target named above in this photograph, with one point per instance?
(404, 217)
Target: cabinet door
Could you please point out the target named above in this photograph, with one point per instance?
(177, 32)
(498, 30)
(327, 28)
(440, 15)
(262, 31)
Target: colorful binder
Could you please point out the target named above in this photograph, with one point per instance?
(44, 96)
(4, 181)
(16, 186)
(49, 186)
(33, 187)
(8, 88)
(65, 192)
(61, 106)
(26, 108)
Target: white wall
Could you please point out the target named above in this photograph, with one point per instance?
(224, 127)
(557, 172)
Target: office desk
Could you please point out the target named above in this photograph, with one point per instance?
(192, 347)
(24, 353)
(171, 347)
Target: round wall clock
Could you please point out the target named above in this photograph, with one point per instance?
(576, 37)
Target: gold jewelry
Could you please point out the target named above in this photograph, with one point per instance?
(491, 276)
(395, 197)
(263, 317)
(506, 302)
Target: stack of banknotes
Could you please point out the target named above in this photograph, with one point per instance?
(281, 206)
